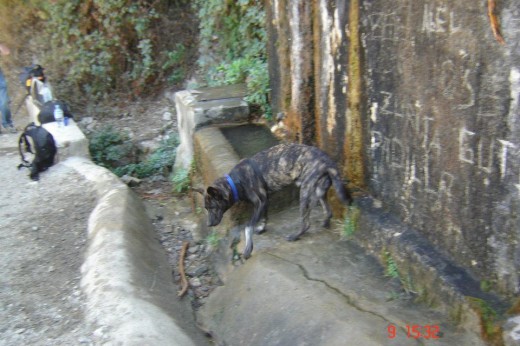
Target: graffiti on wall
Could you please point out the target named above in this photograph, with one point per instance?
(484, 152)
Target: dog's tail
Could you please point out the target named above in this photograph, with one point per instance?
(343, 193)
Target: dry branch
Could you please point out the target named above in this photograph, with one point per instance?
(184, 281)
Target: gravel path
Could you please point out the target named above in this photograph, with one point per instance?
(42, 242)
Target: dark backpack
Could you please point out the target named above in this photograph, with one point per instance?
(44, 149)
(28, 72)
(46, 114)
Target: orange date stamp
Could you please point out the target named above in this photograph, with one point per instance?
(415, 331)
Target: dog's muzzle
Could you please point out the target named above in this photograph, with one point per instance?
(214, 218)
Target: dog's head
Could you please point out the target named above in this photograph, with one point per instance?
(216, 202)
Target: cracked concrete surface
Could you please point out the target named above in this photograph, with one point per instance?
(320, 290)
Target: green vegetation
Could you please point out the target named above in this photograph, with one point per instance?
(114, 150)
(392, 271)
(213, 238)
(94, 48)
(489, 318)
(486, 285)
(108, 45)
(351, 221)
(233, 46)
(109, 148)
(159, 162)
(390, 266)
(181, 180)
(175, 61)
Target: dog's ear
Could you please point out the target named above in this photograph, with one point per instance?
(214, 192)
(201, 191)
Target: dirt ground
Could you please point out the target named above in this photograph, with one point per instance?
(43, 240)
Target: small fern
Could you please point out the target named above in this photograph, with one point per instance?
(351, 222)
(181, 180)
(391, 267)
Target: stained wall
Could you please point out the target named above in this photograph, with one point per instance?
(430, 102)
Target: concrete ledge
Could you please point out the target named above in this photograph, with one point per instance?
(32, 109)
(215, 156)
(70, 140)
(126, 278)
(436, 280)
(204, 107)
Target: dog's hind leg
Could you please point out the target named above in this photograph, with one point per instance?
(321, 194)
(261, 218)
(260, 225)
(327, 211)
(305, 211)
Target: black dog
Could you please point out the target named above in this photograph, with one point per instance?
(268, 171)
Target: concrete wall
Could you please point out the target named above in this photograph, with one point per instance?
(433, 103)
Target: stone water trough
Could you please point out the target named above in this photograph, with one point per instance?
(216, 132)
(321, 290)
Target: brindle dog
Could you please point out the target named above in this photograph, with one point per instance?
(268, 171)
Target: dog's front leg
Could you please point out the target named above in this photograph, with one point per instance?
(260, 206)
(249, 241)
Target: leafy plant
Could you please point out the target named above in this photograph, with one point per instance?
(109, 147)
(391, 267)
(233, 46)
(213, 238)
(92, 48)
(114, 150)
(488, 318)
(158, 162)
(175, 61)
(392, 271)
(351, 221)
(106, 45)
(181, 180)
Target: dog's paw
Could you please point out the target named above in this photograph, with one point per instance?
(293, 237)
(260, 230)
(326, 224)
(260, 227)
(247, 252)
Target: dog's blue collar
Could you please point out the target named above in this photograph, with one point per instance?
(233, 188)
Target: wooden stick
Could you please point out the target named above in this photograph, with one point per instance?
(184, 281)
(495, 25)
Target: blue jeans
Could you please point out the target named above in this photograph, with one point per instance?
(4, 103)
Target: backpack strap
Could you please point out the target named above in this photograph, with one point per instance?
(23, 140)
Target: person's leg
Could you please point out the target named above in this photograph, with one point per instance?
(7, 122)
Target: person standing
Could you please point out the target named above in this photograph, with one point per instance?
(7, 122)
